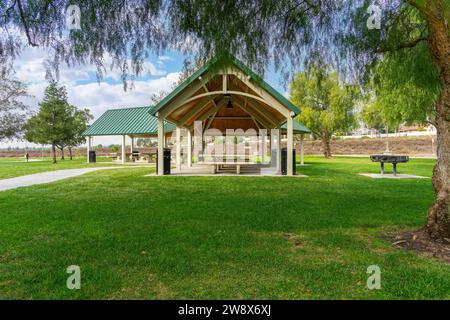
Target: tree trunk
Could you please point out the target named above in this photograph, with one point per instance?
(326, 147)
(438, 218)
(62, 153)
(70, 153)
(325, 136)
(54, 153)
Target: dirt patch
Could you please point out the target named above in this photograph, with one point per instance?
(295, 239)
(413, 146)
(419, 242)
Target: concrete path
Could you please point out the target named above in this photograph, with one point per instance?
(49, 176)
(391, 176)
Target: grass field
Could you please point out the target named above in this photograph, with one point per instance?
(142, 237)
(13, 167)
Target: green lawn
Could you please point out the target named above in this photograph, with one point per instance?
(13, 167)
(136, 236)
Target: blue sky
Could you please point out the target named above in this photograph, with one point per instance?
(172, 62)
(160, 72)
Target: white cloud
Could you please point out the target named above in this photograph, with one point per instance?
(148, 69)
(103, 96)
(100, 97)
(165, 58)
(30, 69)
(162, 59)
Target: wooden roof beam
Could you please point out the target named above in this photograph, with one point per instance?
(267, 98)
(256, 116)
(261, 113)
(195, 110)
(181, 99)
(208, 113)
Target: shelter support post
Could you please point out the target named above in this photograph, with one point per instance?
(302, 149)
(132, 144)
(198, 141)
(263, 141)
(88, 146)
(160, 145)
(178, 144)
(123, 157)
(290, 145)
(189, 148)
(278, 150)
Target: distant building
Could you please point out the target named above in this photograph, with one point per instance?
(404, 128)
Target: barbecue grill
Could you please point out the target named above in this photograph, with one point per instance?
(394, 159)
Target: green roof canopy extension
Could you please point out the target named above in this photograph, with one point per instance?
(297, 127)
(127, 121)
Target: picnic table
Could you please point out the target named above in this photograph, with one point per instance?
(135, 156)
(217, 162)
(216, 166)
(146, 157)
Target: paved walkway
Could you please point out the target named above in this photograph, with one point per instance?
(49, 176)
(391, 176)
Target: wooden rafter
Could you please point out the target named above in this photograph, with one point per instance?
(261, 113)
(209, 113)
(256, 116)
(193, 112)
(265, 96)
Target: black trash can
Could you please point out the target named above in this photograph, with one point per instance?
(92, 157)
(166, 161)
(284, 162)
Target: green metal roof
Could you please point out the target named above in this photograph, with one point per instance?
(127, 121)
(240, 66)
(297, 127)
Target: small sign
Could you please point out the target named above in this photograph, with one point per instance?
(73, 17)
(374, 20)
